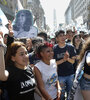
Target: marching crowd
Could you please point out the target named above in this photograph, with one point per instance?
(44, 66)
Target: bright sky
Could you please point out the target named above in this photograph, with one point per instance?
(59, 5)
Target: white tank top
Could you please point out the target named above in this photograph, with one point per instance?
(49, 76)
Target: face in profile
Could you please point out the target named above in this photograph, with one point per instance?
(47, 53)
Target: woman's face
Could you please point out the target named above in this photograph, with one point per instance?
(22, 18)
(47, 53)
(77, 39)
(69, 35)
(21, 58)
(5, 38)
(29, 44)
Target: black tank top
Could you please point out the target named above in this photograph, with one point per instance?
(86, 68)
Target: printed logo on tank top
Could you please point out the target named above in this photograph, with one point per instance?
(52, 80)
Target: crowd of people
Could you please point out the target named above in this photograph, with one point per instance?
(40, 68)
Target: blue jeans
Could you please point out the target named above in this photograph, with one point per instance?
(66, 83)
(85, 84)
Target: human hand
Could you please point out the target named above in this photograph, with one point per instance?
(77, 57)
(66, 56)
(10, 28)
(1, 40)
(1, 33)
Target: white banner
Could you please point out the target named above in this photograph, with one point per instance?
(23, 25)
(3, 18)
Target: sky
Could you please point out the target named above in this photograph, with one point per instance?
(59, 5)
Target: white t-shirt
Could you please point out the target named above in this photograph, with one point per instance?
(49, 76)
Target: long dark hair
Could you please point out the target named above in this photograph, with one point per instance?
(11, 51)
(86, 47)
(73, 40)
(28, 21)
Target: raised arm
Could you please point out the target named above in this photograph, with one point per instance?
(3, 73)
(10, 38)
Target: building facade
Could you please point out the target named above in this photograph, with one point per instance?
(10, 6)
(68, 15)
(38, 13)
(7, 8)
(78, 8)
(88, 25)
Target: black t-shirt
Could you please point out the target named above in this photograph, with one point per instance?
(65, 68)
(20, 84)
